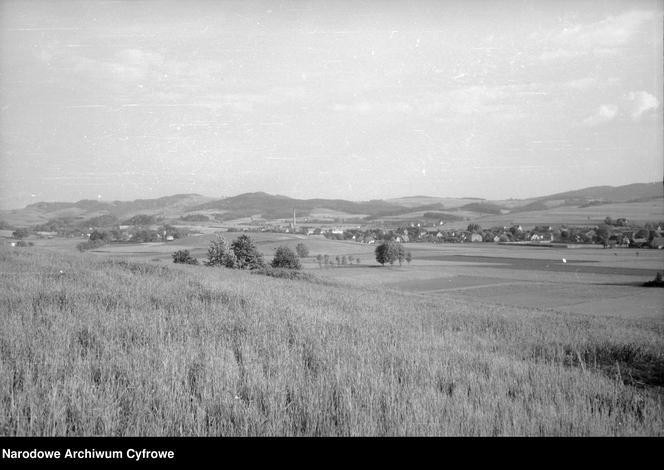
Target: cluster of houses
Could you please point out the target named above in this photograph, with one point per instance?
(618, 233)
(609, 236)
(614, 237)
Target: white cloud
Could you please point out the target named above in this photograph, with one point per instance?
(641, 102)
(605, 113)
(604, 37)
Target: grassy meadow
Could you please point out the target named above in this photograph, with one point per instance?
(113, 347)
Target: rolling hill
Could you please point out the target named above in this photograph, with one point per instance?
(278, 207)
(630, 192)
(632, 201)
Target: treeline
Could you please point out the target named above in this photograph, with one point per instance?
(243, 254)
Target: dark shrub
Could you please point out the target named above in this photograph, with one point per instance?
(183, 257)
(248, 256)
(286, 258)
(283, 273)
(221, 254)
(90, 245)
(657, 282)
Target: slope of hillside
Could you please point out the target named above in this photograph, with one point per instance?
(630, 192)
(423, 201)
(96, 347)
(275, 207)
(41, 212)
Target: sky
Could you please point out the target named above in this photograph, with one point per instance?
(116, 100)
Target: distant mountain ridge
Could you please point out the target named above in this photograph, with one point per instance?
(626, 193)
(270, 206)
(275, 207)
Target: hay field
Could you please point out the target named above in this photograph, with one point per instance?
(106, 346)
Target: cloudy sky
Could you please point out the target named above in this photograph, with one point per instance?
(336, 99)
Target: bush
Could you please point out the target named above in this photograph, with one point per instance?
(286, 258)
(90, 245)
(100, 235)
(248, 256)
(20, 233)
(283, 273)
(221, 254)
(183, 257)
(657, 282)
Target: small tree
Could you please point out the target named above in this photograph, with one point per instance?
(183, 257)
(474, 228)
(350, 259)
(603, 234)
(286, 258)
(319, 258)
(344, 260)
(338, 260)
(389, 252)
(401, 253)
(409, 257)
(302, 250)
(248, 256)
(326, 259)
(220, 253)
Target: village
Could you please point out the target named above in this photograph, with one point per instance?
(619, 233)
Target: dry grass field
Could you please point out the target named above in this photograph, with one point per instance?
(99, 345)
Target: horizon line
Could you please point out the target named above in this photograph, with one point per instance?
(327, 198)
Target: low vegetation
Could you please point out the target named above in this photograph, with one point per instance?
(184, 257)
(91, 244)
(284, 257)
(657, 282)
(112, 347)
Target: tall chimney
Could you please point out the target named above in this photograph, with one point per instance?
(293, 219)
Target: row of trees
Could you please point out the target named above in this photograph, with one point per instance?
(242, 253)
(325, 260)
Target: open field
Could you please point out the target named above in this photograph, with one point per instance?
(94, 344)
(592, 281)
(521, 276)
(589, 281)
